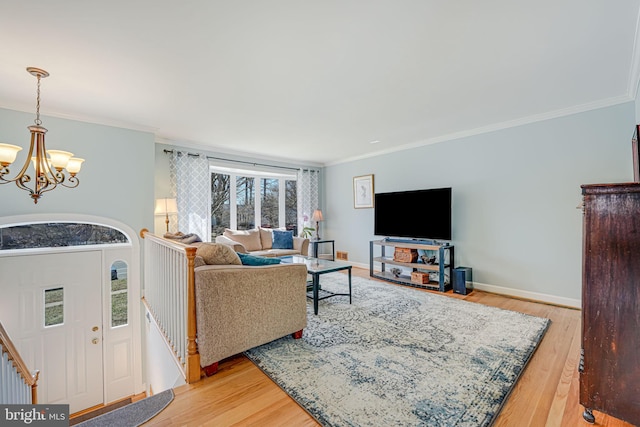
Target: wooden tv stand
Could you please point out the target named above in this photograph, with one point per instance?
(445, 259)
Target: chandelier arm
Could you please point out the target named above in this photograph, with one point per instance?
(22, 181)
(21, 174)
(73, 182)
(46, 172)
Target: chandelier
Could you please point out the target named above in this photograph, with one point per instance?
(48, 170)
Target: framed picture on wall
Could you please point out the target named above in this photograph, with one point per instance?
(636, 154)
(363, 191)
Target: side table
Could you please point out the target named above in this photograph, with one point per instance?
(315, 249)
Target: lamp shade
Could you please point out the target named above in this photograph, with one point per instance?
(74, 165)
(317, 215)
(59, 158)
(8, 153)
(166, 206)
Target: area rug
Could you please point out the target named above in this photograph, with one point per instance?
(134, 414)
(399, 356)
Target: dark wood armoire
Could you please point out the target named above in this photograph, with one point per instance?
(610, 359)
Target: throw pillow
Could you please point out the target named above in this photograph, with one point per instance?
(250, 239)
(282, 239)
(183, 238)
(254, 260)
(217, 254)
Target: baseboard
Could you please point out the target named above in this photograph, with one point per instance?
(516, 293)
(533, 296)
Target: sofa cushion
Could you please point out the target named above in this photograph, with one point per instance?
(247, 259)
(276, 252)
(250, 239)
(217, 254)
(282, 239)
(266, 237)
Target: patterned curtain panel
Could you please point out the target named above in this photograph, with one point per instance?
(308, 198)
(190, 184)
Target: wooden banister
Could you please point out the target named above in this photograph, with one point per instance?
(193, 357)
(21, 367)
(192, 370)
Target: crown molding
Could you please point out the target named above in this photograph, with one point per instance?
(239, 155)
(634, 73)
(84, 119)
(495, 127)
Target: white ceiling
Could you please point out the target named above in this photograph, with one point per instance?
(316, 81)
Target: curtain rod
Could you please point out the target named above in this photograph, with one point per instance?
(242, 161)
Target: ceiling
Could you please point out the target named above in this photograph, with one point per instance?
(316, 81)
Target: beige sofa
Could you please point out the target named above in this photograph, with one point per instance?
(259, 241)
(239, 307)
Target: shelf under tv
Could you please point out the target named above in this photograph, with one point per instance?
(445, 258)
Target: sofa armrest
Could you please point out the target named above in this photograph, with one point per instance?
(198, 261)
(301, 244)
(238, 247)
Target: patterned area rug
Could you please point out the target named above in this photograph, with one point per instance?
(401, 357)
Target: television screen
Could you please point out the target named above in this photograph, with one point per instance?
(421, 214)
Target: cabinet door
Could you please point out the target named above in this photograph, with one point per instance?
(610, 381)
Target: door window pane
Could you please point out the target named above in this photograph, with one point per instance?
(119, 294)
(53, 306)
(269, 190)
(245, 202)
(220, 204)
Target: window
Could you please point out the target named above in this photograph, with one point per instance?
(291, 205)
(119, 294)
(245, 203)
(243, 199)
(51, 235)
(269, 217)
(220, 200)
(53, 307)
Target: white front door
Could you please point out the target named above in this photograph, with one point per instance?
(51, 307)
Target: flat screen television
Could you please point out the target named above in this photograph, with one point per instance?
(420, 214)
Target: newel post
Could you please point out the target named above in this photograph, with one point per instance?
(193, 357)
(34, 388)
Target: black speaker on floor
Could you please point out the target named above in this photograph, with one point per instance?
(462, 280)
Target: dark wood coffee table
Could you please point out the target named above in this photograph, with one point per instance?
(317, 267)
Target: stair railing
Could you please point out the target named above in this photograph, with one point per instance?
(17, 384)
(169, 296)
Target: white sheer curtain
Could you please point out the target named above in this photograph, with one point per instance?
(191, 186)
(308, 196)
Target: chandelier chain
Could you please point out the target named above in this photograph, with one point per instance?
(37, 120)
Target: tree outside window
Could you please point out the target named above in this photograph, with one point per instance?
(236, 204)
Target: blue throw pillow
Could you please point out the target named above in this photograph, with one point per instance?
(247, 259)
(282, 239)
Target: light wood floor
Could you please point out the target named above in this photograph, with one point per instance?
(545, 395)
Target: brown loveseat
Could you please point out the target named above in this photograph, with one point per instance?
(260, 241)
(239, 307)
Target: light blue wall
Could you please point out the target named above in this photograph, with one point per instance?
(515, 193)
(116, 180)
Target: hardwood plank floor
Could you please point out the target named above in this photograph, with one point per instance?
(545, 395)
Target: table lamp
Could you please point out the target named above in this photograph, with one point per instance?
(165, 207)
(317, 217)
